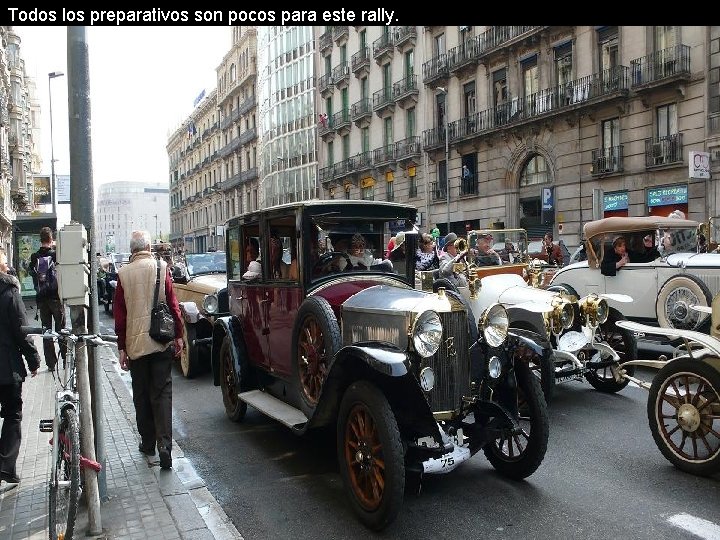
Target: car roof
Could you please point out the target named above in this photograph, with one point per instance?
(629, 224)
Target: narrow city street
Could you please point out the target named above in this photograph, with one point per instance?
(602, 477)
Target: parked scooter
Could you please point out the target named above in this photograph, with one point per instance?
(108, 288)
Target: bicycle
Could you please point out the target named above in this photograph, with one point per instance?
(64, 487)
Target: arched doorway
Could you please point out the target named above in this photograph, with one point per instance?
(534, 175)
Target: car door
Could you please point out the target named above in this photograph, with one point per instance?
(637, 280)
(252, 293)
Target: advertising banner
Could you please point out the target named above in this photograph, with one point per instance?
(25, 245)
(41, 190)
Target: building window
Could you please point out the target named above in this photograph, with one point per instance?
(470, 98)
(389, 190)
(610, 133)
(347, 191)
(608, 48)
(563, 64)
(666, 120)
(367, 193)
(500, 92)
(535, 172)
(410, 122)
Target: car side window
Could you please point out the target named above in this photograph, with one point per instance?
(282, 249)
(251, 267)
(234, 254)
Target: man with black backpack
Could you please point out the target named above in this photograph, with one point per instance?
(47, 297)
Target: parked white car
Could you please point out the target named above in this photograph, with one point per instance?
(664, 288)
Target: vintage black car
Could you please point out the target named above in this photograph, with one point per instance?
(325, 331)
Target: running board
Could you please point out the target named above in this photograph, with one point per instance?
(275, 408)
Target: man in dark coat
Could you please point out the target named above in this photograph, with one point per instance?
(13, 346)
(48, 302)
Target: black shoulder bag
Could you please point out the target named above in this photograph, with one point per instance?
(162, 324)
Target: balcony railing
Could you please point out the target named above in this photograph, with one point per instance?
(339, 32)
(360, 60)
(325, 82)
(405, 34)
(438, 191)
(464, 54)
(663, 150)
(341, 74)
(360, 109)
(405, 87)
(382, 98)
(249, 174)
(408, 148)
(607, 160)
(382, 45)
(248, 135)
(663, 64)
(341, 120)
(435, 69)
(384, 155)
(468, 185)
(325, 41)
(364, 160)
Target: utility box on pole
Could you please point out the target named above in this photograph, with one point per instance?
(72, 265)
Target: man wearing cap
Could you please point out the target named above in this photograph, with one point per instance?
(447, 262)
(486, 255)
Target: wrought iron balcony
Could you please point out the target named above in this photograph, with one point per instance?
(435, 70)
(468, 185)
(497, 37)
(405, 37)
(663, 150)
(326, 174)
(434, 138)
(344, 170)
(464, 56)
(667, 64)
(408, 150)
(341, 122)
(325, 41)
(325, 85)
(341, 75)
(406, 91)
(340, 33)
(247, 136)
(607, 160)
(360, 62)
(383, 47)
(364, 161)
(384, 156)
(249, 174)
(326, 127)
(438, 191)
(361, 112)
(383, 102)
(247, 105)
(231, 182)
(229, 147)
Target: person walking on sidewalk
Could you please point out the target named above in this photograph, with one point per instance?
(13, 346)
(47, 297)
(149, 361)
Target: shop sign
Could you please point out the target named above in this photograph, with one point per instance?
(615, 201)
(665, 196)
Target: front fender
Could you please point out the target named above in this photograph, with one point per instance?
(190, 312)
(537, 343)
(386, 367)
(226, 326)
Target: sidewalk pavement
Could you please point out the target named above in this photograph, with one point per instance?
(143, 501)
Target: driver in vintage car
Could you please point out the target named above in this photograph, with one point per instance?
(360, 257)
(449, 257)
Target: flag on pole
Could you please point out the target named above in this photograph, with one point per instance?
(199, 98)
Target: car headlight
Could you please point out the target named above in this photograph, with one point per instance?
(595, 309)
(494, 325)
(427, 333)
(561, 317)
(210, 303)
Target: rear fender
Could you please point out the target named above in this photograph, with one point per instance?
(386, 367)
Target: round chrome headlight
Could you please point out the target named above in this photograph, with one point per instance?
(494, 325)
(210, 303)
(427, 379)
(427, 334)
(567, 315)
(602, 311)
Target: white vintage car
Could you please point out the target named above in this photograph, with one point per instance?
(585, 341)
(665, 287)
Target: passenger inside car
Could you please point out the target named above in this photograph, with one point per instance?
(615, 258)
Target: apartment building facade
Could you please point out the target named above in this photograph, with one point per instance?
(19, 121)
(540, 127)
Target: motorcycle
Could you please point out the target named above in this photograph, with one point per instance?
(683, 406)
(108, 288)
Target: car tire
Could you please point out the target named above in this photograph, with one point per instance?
(370, 454)
(624, 343)
(189, 356)
(235, 408)
(315, 341)
(542, 368)
(682, 426)
(674, 299)
(506, 453)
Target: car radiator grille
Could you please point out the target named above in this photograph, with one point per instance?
(451, 364)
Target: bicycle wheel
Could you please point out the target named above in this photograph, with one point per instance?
(64, 491)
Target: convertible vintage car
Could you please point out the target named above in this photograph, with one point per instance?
(675, 276)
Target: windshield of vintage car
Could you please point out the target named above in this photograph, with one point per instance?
(205, 263)
(510, 244)
(357, 245)
(677, 241)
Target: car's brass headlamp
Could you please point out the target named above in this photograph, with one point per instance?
(594, 309)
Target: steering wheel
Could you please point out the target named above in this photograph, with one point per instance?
(323, 264)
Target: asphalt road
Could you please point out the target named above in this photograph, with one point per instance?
(602, 478)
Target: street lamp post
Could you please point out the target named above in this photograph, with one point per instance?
(447, 160)
(52, 75)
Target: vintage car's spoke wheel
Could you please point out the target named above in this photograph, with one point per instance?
(518, 454)
(189, 361)
(625, 345)
(316, 339)
(675, 298)
(235, 408)
(684, 415)
(370, 454)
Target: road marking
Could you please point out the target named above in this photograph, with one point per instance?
(697, 526)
